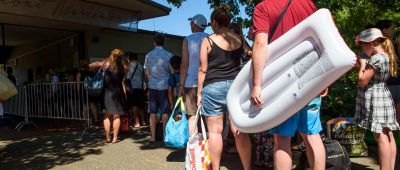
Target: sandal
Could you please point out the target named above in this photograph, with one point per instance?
(108, 140)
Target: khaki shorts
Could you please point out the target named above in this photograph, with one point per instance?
(191, 100)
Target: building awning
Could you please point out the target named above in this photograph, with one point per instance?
(148, 9)
(78, 15)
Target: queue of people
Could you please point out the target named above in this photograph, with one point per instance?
(210, 63)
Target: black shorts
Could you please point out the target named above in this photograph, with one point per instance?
(137, 98)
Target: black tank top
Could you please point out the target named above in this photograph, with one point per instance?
(222, 64)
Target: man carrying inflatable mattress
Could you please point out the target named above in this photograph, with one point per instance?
(307, 120)
(306, 55)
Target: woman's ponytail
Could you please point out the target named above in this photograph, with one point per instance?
(389, 49)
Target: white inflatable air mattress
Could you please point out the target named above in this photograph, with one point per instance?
(300, 64)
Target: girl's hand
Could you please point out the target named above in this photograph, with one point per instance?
(324, 92)
(363, 63)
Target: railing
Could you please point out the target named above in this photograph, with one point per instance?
(67, 100)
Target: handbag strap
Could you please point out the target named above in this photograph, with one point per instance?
(179, 102)
(101, 71)
(278, 21)
(134, 71)
(143, 77)
(203, 129)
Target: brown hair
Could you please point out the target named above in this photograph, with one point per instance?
(389, 49)
(116, 60)
(221, 16)
(159, 39)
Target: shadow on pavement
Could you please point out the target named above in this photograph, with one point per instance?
(356, 166)
(177, 156)
(49, 150)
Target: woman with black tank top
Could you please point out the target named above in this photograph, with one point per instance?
(220, 55)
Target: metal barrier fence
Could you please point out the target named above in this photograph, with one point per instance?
(67, 100)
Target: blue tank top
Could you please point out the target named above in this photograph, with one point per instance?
(194, 44)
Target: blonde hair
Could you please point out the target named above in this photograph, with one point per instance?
(397, 43)
(389, 49)
(116, 59)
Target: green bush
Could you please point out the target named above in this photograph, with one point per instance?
(341, 98)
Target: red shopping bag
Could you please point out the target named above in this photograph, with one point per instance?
(124, 122)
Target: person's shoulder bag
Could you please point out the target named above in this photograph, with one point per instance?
(128, 81)
(95, 84)
(278, 21)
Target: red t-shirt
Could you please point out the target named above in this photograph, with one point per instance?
(267, 12)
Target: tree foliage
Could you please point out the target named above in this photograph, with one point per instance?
(351, 17)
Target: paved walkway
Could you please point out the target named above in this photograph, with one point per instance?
(65, 149)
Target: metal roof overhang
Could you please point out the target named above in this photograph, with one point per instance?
(78, 15)
(148, 9)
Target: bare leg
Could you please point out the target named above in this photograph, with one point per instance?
(106, 123)
(116, 125)
(135, 111)
(153, 123)
(243, 145)
(164, 119)
(315, 151)
(282, 152)
(215, 126)
(393, 147)
(93, 107)
(141, 115)
(384, 150)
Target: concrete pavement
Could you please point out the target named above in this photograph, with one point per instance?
(67, 150)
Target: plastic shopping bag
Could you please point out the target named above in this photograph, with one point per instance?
(176, 131)
(197, 155)
(125, 123)
(7, 88)
(349, 135)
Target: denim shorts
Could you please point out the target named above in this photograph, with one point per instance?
(214, 98)
(306, 121)
(395, 91)
(158, 102)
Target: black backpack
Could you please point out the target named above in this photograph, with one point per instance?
(337, 157)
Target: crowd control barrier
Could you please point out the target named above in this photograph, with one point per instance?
(66, 100)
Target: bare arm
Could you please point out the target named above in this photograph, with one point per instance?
(97, 64)
(259, 56)
(365, 74)
(184, 67)
(170, 97)
(147, 69)
(4, 73)
(205, 48)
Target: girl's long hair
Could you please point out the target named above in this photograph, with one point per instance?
(389, 49)
(116, 60)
